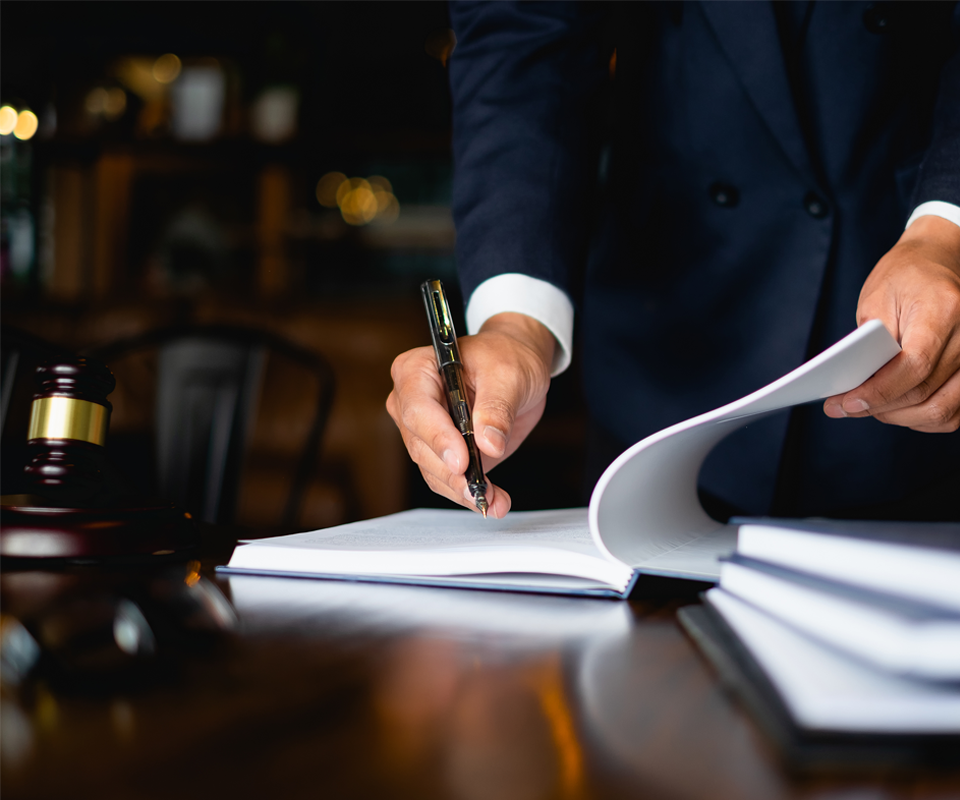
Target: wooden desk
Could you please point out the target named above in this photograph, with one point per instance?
(342, 690)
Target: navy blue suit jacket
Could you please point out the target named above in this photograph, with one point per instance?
(713, 209)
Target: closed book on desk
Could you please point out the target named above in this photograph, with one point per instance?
(824, 710)
(901, 636)
(914, 560)
(644, 517)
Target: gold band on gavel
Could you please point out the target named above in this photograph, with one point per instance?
(68, 418)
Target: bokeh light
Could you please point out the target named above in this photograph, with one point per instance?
(380, 184)
(27, 124)
(96, 101)
(115, 103)
(348, 186)
(8, 120)
(166, 69)
(361, 200)
(358, 205)
(388, 209)
(109, 103)
(327, 188)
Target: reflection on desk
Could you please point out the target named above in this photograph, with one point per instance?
(512, 620)
(358, 690)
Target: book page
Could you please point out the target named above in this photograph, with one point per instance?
(433, 542)
(920, 573)
(644, 510)
(428, 528)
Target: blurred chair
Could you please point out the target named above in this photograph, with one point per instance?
(209, 384)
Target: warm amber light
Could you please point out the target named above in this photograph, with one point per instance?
(359, 205)
(192, 577)
(26, 126)
(327, 188)
(348, 186)
(8, 120)
(166, 69)
(380, 184)
(96, 101)
(115, 103)
(361, 200)
(388, 209)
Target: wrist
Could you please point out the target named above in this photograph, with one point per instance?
(939, 238)
(525, 330)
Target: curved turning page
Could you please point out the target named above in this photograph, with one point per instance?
(644, 510)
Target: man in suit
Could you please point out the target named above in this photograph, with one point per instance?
(720, 190)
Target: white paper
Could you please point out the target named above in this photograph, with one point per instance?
(644, 510)
(927, 575)
(829, 692)
(438, 543)
(897, 642)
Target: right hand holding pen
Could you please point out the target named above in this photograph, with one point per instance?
(507, 371)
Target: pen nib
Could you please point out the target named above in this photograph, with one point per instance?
(482, 505)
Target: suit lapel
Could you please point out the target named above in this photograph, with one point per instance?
(747, 34)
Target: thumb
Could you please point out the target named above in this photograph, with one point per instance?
(494, 412)
(507, 405)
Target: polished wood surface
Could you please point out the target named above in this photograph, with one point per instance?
(350, 690)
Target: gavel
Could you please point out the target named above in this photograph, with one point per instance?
(68, 430)
(79, 506)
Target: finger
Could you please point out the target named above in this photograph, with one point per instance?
(940, 413)
(498, 501)
(910, 378)
(418, 407)
(453, 484)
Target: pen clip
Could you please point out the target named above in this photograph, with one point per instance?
(441, 323)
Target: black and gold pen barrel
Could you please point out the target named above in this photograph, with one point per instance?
(460, 411)
(444, 339)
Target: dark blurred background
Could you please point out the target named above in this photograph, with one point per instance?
(284, 166)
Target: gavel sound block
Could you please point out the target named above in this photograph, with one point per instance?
(79, 506)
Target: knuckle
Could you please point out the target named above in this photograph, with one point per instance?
(918, 394)
(438, 486)
(435, 484)
(398, 365)
(940, 416)
(921, 364)
(419, 452)
(950, 426)
(410, 417)
(416, 447)
(951, 304)
(497, 407)
(391, 404)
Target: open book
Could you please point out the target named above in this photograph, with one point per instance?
(644, 516)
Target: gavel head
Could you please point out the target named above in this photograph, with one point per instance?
(68, 428)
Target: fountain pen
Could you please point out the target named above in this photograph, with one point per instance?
(451, 370)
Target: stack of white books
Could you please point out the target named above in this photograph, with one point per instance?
(849, 630)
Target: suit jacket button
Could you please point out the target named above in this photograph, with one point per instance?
(724, 195)
(816, 206)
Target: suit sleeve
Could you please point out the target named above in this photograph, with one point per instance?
(525, 80)
(939, 179)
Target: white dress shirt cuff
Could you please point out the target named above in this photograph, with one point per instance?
(524, 294)
(936, 208)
